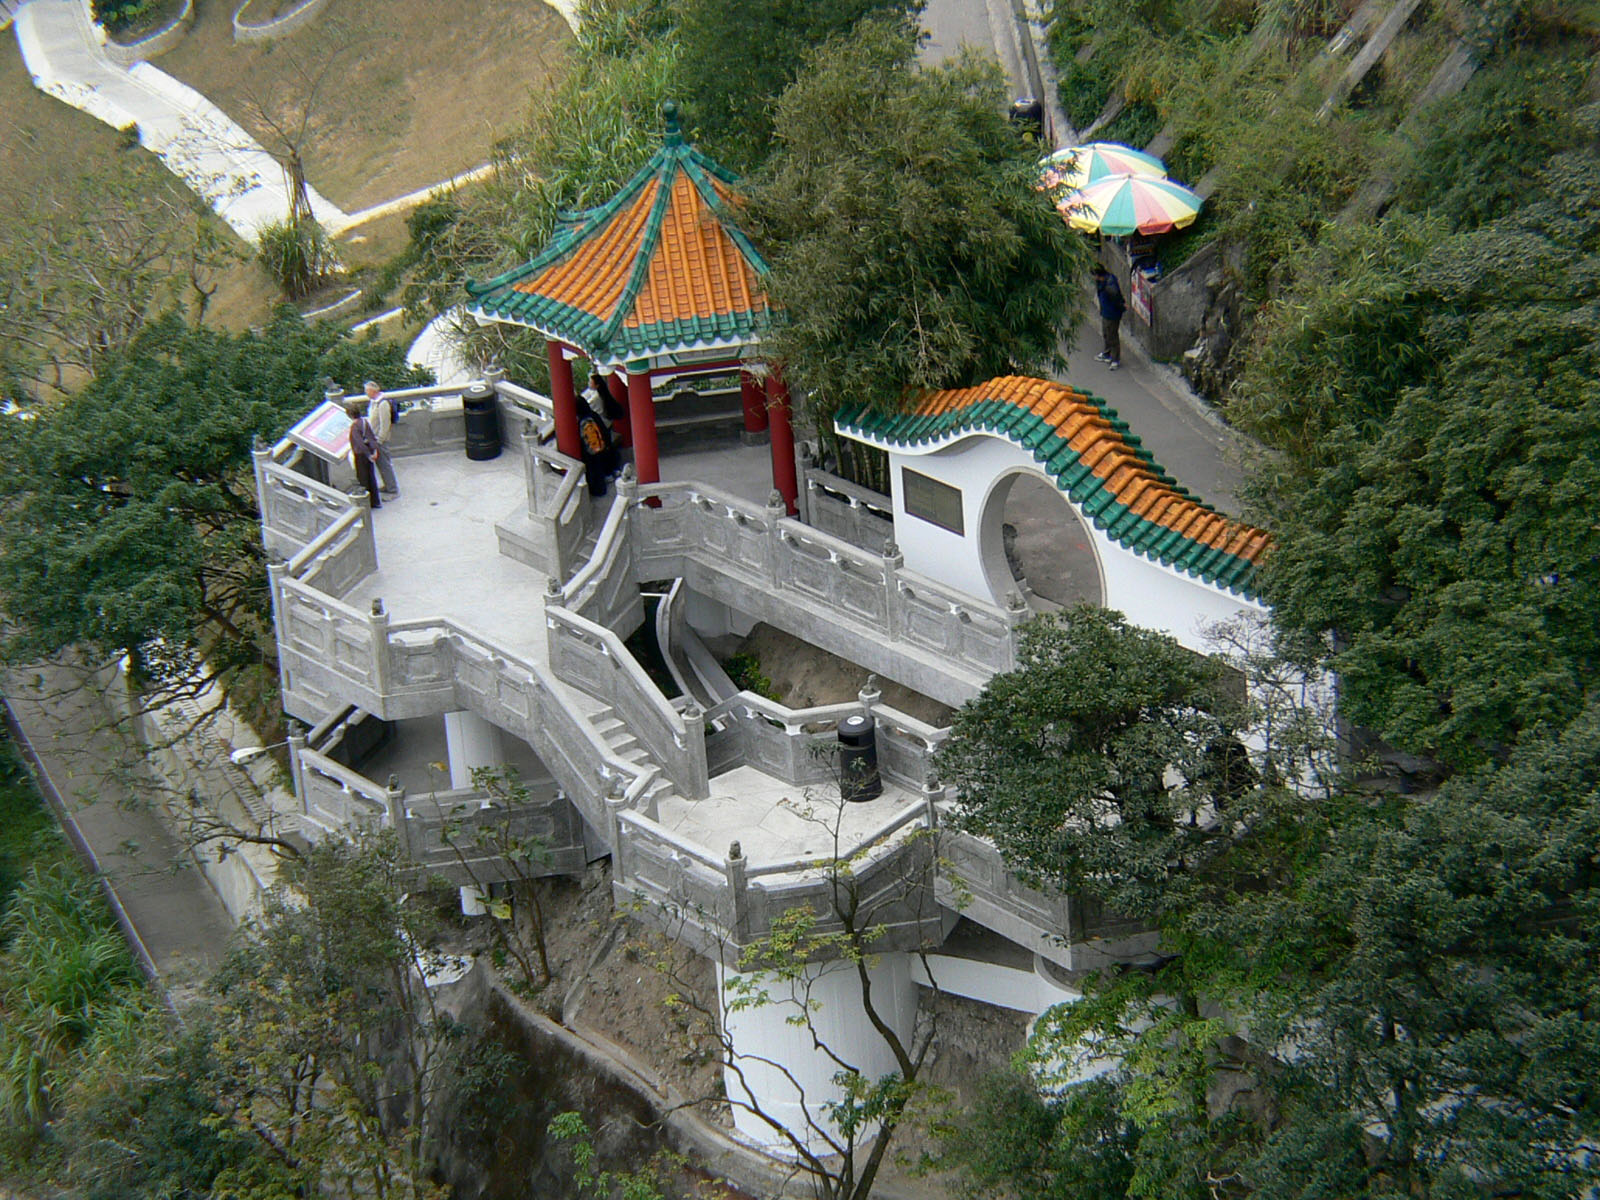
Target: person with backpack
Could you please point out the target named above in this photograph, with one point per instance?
(601, 461)
(1109, 292)
(382, 413)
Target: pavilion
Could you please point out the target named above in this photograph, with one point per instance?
(656, 285)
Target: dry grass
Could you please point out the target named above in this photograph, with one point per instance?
(41, 138)
(417, 92)
(43, 141)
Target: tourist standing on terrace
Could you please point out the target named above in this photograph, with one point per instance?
(363, 451)
(380, 415)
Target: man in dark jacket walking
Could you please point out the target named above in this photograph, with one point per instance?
(1109, 292)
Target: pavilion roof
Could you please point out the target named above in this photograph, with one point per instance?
(660, 268)
(1093, 457)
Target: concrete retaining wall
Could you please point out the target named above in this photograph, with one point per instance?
(127, 53)
(252, 31)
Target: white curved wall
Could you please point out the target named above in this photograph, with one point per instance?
(764, 1035)
(1150, 594)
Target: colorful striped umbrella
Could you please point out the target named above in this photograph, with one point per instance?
(1079, 166)
(1124, 204)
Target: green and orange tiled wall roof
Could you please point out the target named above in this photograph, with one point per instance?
(1094, 458)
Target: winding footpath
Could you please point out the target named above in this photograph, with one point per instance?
(192, 137)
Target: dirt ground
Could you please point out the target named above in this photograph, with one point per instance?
(805, 676)
(404, 92)
(45, 143)
(616, 979)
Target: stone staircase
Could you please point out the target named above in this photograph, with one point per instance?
(619, 739)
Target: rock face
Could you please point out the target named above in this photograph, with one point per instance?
(493, 1143)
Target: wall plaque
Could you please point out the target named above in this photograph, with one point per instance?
(932, 501)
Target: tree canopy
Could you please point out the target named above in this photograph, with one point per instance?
(1105, 763)
(131, 521)
(1438, 519)
(737, 56)
(909, 245)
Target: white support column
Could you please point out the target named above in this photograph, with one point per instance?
(769, 1049)
(470, 742)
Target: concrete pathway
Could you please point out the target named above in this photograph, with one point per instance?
(195, 139)
(1186, 436)
(95, 777)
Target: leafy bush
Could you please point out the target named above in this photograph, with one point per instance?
(297, 255)
(1135, 125)
(1083, 88)
(1473, 158)
(119, 14)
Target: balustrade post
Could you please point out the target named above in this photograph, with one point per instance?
(737, 871)
(1017, 613)
(554, 597)
(893, 606)
(297, 769)
(275, 573)
(869, 695)
(694, 729)
(394, 800)
(260, 455)
(378, 624)
(932, 793)
(777, 510)
(615, 803)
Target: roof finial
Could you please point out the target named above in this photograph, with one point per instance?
(674, 137)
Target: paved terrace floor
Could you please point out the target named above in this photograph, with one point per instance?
(438, 557)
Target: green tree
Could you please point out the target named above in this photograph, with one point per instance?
(131, 522)
(1017, 1141)
(909, 246)
(89, 260)
(1446, 545)
(1105, 763)
(1439, 1001)
(737, 57)
(333, 1049)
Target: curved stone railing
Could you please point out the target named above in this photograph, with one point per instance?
(847, 510)
(862, 606)
(604, 588)
(295, 510)
(800, 745)
(720, 906)
(549, 537)
(340, 556)
(465, 835)
(260, 31)
(405, 669)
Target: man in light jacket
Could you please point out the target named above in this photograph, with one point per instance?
(380, 415)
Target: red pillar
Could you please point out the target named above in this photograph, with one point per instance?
(783, 477)
(565, 401)
(755, 405)
(642, 416)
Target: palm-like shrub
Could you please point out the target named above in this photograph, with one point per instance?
(297, 255)
(63, 971)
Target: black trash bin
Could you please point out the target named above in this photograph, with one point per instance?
(481, 411)
(1027, 115)
(858, 759)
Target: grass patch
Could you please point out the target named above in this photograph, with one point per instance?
(418, 94)
(28, 833)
